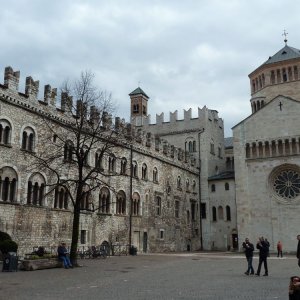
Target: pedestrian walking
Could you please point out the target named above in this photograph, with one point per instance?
(279, 249)
(263, 248)
(248, 249)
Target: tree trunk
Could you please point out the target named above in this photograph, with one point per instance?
(75, 233)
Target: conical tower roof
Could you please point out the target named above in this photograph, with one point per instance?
(138, 91)
(283, 54)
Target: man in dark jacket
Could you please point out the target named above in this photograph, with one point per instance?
(63, 255)
(298, 249)
(263, 248)
(248, 249)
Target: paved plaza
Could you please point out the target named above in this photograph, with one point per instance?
(165, 276)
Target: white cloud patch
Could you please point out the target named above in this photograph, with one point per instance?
(184, 54)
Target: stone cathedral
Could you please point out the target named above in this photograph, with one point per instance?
(267, 153)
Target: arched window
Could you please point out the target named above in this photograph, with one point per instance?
(214, 213)
(284, 75)
(190, 146)
(144, 172)
(290, 74)
(136, 204)
(8, 184)
(226, 186)
(104, 201)
(123, 166)
(296, 72)
(84, 155)
(68, 151)
(5, 132)
(85, 198)
(36, 189)
(178, 182)
(155, 175)
(158, 205)
(212, 147)
(228, 213)
(220, 213)
(28, 139)
(98, 161)
(61, 198)
(121, 203)
(135, 108)
(213, 187)
(272, 77)
(187, 184)
(112, 164)
(194, 186)
(134, 169)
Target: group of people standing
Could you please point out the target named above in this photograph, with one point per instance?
(263, 246)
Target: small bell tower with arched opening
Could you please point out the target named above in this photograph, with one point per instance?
(138, 107)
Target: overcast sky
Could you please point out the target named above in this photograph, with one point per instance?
(183, 54)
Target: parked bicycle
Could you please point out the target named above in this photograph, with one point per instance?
(93, 252)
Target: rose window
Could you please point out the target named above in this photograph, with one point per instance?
(287, 184)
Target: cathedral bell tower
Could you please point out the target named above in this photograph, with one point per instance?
(279, 75)
(138, 107)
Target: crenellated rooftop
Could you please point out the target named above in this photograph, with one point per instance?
(144, 142)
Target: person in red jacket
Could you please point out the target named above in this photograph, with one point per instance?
(279, 249)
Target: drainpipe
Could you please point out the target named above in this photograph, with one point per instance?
(130, 198)
(199, 185)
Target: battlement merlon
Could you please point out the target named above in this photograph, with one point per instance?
(11, 79)
(32, 88)
(50, 95)
(211, 114)
(173, 116)
(160, 118)
(66, 103)
(187, 114)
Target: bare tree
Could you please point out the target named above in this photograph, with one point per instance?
(84, 129)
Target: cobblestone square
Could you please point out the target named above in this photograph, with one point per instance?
(165, 276)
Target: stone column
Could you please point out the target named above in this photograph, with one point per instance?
(297, 145)
(277, 152)
(290, 146)
(264, 149)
